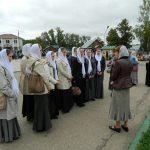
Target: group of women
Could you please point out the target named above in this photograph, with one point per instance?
(82, 69)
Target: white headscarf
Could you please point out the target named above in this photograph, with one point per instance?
(123, 51)
(35, 51)
(26, 50)
(90, 64)
(81, 59)
(73, 53)
(64, 59)
(98, 58)
(4, 62)
(52, 62)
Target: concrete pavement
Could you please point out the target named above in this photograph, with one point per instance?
(86, 128)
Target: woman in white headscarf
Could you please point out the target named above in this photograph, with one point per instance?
(121, 83)
(90, 67)
(41, 121)
(65, 77)
(28, 99)
(9, 127)
(79, 73)
(99, 77)
(72, 57)
(51, 69)
(134, 74)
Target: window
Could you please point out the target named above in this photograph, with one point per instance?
(7, 41)
(15, 41)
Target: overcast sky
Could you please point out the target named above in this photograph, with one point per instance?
(84, 17)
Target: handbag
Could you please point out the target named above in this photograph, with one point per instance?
(35, 82)
(76, 91)
(3, 101)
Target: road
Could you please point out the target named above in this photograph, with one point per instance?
(86, 128)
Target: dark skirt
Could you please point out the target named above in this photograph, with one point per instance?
(89, 89)
(66, 100)
(42, 121)
(99, 93)
(9, 130)
(147, 81)
(28, 107)
(53, 104)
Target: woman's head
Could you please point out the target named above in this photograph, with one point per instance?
(123, 51)
(98, 51)
(36, 51)
(74, 51)
(9, 53)
(88, 52)
(26, 49)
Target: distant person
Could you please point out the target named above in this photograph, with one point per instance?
(28, 98)
(121, 83)
(134, 73)
(65, 78)
(147, 81)
(9, 90)
(90, 68)
(42, 120)
(51, 69)
(99, 76)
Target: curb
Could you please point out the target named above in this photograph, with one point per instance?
(138, 136)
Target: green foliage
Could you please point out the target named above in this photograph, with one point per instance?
(58, 37)
(144, 143)
(121, 35)
(142, 30)
(113, 37)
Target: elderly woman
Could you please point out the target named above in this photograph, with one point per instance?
(28, 99)
(99, 77)
(65, 77)
(90, 67)
(9, 127)
(121, 82)
(41, 120)
(51, 69)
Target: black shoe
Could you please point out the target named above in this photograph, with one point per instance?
(80, 105)
(115, 129)
(93, 99)
(125, 128)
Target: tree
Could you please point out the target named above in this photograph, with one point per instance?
(125, 33)
(113, 37)
(142, 30)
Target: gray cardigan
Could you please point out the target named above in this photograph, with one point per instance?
(11, 110)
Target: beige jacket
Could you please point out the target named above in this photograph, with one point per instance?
(63, 75)
(49, 71)
(39, 69)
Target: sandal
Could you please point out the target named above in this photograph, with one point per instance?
(115, 129)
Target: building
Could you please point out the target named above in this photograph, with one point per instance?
(92, 43)
(136, 48)
(10, 40)
(107, 51)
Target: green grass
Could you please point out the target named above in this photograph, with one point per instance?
(144, 143)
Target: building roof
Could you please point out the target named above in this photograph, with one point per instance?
(108, 47)
(88, 43)
(9, 36)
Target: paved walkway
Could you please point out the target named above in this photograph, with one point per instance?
(86, 128)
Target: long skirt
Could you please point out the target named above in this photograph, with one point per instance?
(42, 121)
(120, 105)
(99, 92)
(28, 107)
(66, 99)
(134, 77)
(89, 89)
(53, 104)
(80, 82)
(9, 130)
